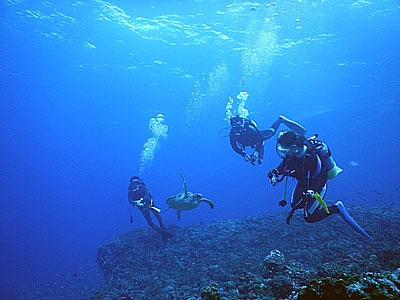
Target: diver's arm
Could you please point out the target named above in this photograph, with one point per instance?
(275, 173)
(282, 166)
(296, 127)
(131, 198)
(235, 146)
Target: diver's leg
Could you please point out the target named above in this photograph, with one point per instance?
(158, 217)
(165, 235)
(338, 208)
(314, 212)
(146, 215)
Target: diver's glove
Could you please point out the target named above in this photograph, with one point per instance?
(249, 158)
(256, 156)
(273, 177)
(282, 203)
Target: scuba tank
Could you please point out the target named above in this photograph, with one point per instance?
(325, 155)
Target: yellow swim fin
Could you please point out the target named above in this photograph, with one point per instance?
(155, 208)
(321, 201)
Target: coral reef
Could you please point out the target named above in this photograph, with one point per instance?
(366, 286)
(257, 258)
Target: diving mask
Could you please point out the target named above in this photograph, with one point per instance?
(237, 122)
(135, 185)
(284, 151)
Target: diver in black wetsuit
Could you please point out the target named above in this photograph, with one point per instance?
(139, 196)
(302, 161)
(244, 133)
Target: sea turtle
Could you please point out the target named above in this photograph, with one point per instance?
(186, 200)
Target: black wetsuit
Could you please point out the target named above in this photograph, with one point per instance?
(309, 177)
(142, 193)
(249, 136)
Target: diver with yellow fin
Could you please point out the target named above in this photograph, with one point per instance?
(140, 197)
(310, 162)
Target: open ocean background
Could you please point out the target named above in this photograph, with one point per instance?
(80, 80)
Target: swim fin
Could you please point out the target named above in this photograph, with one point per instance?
(165, 235)
(349, 220)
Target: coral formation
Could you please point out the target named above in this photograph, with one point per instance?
(211, 292)
(239, 259)
(385, 285)
(274, 263)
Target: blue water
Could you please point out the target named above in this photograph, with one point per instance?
(80, 80)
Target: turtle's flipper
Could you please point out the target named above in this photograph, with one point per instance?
(165, 209)
(178, 212)
(209, 202)
(184, 190)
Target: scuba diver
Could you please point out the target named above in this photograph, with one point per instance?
(139, 196)
(310, 162)
(244, 133)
